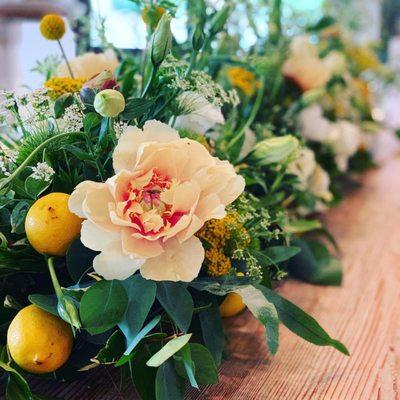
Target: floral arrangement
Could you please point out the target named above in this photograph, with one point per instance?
(143, 198)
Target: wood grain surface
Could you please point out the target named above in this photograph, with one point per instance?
(363, 313)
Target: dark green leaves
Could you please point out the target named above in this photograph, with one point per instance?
(113, 349)
(18, 217)
(300, 323)
(265, 312)
(169, 385)
(135, 108)
(34, 187)
(275, 255)
(91, 121)
(177, 302)
(102, 306)
(79, 260)
(220, 285)
(45, 302)
(315, 264)
(62, 102)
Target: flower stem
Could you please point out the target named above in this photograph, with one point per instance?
(149, 82)
(53, 276)
(65, 58)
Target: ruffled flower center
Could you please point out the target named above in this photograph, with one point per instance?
(145, 206)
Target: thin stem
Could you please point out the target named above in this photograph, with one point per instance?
(7, 180)
(65, 58)
(149, 82)
(252, 116)
(53, 276)
(192, 63)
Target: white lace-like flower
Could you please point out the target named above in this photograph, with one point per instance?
(198, 114)
(119, 128)
(42, 171)
(72, 120)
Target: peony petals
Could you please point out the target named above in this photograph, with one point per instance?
(179, 262)
(97, 238)
(75, 202)
(140, 247)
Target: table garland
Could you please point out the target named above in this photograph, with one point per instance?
(145, 197)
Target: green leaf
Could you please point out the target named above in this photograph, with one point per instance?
(221, 285)
(206, 372)
(315, 264)
(18, 216)
(141, 295)
(143, 377)
(79, 260)
(169, 385)
(45, 302)
(62, 102)
(168, 350)
(91, 121)
(265, 312)
(77, 152)
(35, 187)
(17, 387)
(211, 327)
(177, 302)
(302, 226)
(112, 350)
(301, 323)
(135, 108)
(103, 305)
(188, 365)
(275, 255)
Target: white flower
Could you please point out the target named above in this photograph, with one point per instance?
(249, 141)
(119, 128)
(199, 114)
(42, 171)
(72, 120)
(90, 64)
(319, 184)
(345, 140)
(313, 125)
(303, 167)
(145, 217)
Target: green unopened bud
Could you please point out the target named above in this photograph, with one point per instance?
(198, 38)
(162, 40)
(310, 96)
(109, 103)
(274, 150)
(68, 311)
(219, 19)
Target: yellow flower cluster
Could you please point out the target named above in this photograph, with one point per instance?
(217, 233)
(364, 57)
(52, 27)
(58, 86)
(243, 79)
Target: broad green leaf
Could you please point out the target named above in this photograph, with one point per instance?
(62, 102)
(141, 295)
(168, 350)
(206, 372)
(35, 187)
(17, 387)
(45, 302)
(113, 349)
(220, 286)
(79, 260)
(103, 305)
(77, 152)
(315, 264)
(264, 311)
(91, 121)
(301, 323)
(177, 302)
(135, 108)
(275, 255)
(211, 327)
(143, 377)
(18, 215)
(188, 365)
(169, 385)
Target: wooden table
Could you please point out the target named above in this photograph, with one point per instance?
(363, 313)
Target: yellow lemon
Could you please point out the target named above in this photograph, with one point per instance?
(39, 342)
(50, 226)
(232, 304)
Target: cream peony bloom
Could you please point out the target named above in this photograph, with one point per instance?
(313, 125)
(145, 216)
(200, 115)
(304, 66)
(90, 64)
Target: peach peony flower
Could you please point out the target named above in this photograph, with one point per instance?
(145, 217)
(304, 66)
(90, 64)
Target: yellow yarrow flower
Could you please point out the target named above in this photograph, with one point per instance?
(52, 27)
(217, 233)
(243, 79)
(364, 57)
(58, 86)
(152, 14)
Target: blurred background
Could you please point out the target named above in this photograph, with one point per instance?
(119, 22)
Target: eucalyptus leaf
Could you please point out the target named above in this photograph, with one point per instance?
(18, 216)
(168, 350)
(177, 302)
(103, 305)
(169, 385)
(113, 349)
(275, 255)
(220, 286)
(302, 226)
(45, 302)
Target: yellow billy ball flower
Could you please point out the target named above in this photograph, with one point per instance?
(58, 86)
(52, 27)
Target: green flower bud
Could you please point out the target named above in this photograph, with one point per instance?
(274, 150)
(68, 311)
(310, 96)
(198, 38)
(109, 103)
(162, 40)
(219, 19)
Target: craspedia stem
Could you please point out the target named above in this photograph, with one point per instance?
(65, 58)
